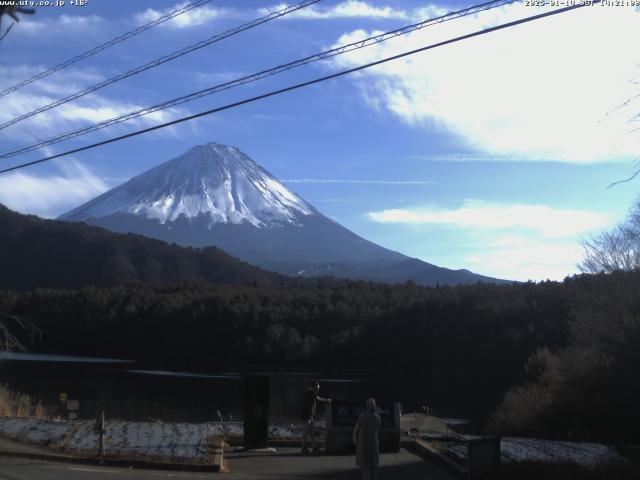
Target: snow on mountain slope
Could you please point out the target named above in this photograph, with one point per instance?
(215, 195)
(214, 180)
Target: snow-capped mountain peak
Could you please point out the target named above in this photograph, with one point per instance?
(216, 196)
(217, 181)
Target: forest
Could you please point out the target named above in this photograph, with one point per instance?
(559, 358)
(564, 355)
(46, 253)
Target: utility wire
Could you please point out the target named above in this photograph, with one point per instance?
(104, 46)
(165, 59)
(6, 32)
(258, 76)
(305, 84)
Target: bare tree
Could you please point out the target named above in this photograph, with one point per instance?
(616, 250)
(9, 324)
(12, 11)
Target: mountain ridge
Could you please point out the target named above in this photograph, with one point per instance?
(216, 195)
(42, 253)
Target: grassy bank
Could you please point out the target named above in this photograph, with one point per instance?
(16, 404)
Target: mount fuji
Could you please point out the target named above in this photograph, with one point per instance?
(216, 195)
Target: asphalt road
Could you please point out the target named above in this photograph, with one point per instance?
(25, 469)
(286, 464)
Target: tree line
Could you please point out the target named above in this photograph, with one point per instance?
(566, 352)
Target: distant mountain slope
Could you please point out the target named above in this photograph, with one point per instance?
(216, 195)
(410, 269)
(215, 181)
(50, 253)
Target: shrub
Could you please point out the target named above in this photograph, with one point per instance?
(16, 404)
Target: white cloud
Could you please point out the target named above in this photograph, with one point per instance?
(467, 157)
(213, 78)
(521, 258)
(49, 196)
(510, 241)
(67, 24)
(359, 182)
(546, 221)
(79, 20)
(348, 9)
(192, 18)
(545, 90)
(201, 15)
(339, 200)
(92, 108)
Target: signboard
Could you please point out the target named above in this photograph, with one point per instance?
(72, 408)
(63, 398)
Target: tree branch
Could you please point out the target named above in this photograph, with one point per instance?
(8, 339)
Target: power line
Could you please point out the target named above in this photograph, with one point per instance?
(165, 59)
(304, 84)
(258, 76)
(104, 46)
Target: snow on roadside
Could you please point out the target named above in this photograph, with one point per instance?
(192, 441)
(32, 430)
(552, 451)
(172, 441)
(514, 449)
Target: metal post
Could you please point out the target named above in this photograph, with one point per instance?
(256, 411)
(100, 428)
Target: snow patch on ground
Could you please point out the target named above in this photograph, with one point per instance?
(514, 449)
(171, 441)
(585, 454)
(192, 442)
(37, 431)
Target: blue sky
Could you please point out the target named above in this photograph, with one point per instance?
(493, 154)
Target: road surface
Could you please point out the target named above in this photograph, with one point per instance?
(285, 464)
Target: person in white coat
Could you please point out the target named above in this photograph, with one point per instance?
(365, 438)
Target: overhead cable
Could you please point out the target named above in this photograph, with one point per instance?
(305, 84)
(164, 59)
(105, 45)
(373, 40)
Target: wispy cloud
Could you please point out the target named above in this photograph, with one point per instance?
(546, 221)
(469, 157)
(272, 117)
(91, 108)
(213, 78)
(205, 14)
(524, 91)
(79, 21)
(348, 9)
(359, 182)
(339, 200)
(503, 240)
(62, 24)
(192, 18)
(523, 258)
(49, 196)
